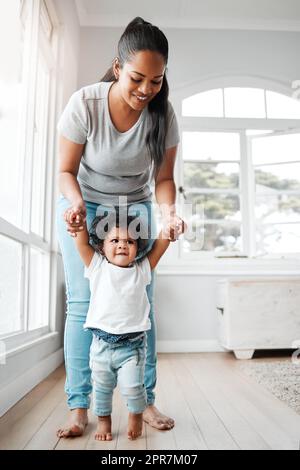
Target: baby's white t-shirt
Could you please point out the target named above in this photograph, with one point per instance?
(119, 302)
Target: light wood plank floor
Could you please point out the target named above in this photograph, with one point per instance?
(215, 407)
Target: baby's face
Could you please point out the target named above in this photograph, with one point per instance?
(119, 248)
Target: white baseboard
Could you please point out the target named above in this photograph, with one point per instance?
(14, 391)
(188, 346)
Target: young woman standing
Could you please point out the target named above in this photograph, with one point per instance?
(115, 137)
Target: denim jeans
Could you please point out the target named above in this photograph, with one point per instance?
(122, 363)
(77, 341)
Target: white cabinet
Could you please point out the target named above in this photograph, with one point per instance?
(258, 314)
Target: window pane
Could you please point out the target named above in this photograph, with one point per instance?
(250, 132)
(211, 175)
(209, 104)
(216, 238)
(216, 206)
(38, 290)
(11, 99)
(211, 146)
(10, 286)
(278, 208)
(276, 149)
(281, 177)
(282, 107)
(244, 103)
(280, 238)
(39, 153)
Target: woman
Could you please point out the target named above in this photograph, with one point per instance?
(115, 136)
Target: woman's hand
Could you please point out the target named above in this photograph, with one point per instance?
(173, 227)
(75, 217)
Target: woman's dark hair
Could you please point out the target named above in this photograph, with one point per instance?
(103, 224)
(138, 36)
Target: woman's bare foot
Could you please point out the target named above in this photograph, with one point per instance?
(103, 432)
(76, 424)
(135, 426)
(156, 419)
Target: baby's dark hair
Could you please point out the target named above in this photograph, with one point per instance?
(102, 225)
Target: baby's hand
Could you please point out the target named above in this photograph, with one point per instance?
(75, 218)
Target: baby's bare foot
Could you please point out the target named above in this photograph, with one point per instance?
(135, 425)
(103, 432)
(76, 424)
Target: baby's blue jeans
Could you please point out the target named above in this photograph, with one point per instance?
(118, 363)
(77, 341)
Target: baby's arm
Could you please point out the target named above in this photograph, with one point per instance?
(86, 251)
(160, 246)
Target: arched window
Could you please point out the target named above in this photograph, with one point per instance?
(241, 102)
(241, 165)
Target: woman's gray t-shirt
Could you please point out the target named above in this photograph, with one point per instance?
(113, 163)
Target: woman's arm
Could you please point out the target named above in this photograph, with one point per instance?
(70, 155)
(165, 192)
(165, 189)
(86, 251)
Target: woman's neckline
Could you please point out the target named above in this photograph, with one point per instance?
(135, 125)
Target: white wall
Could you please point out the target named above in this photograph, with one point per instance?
(185, 304)
(266, 54)
(195, 55)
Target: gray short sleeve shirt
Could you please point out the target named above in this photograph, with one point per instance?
(113, 163)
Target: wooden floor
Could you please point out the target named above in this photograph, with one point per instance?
(215, 407)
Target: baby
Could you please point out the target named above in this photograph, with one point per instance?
(118, 315)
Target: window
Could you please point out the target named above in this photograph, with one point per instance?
(12, 87)
(281, 106)
(38, 289)
(39, 147)
(212, 183)
(208, 103)
(241, 102)
(276, 161)
(239, 182)
(26, 124)
(11, 253)
(244, 103)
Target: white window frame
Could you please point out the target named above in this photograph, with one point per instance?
(39, 15)
(208, 261)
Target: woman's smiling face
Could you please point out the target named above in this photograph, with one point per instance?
(141, 78)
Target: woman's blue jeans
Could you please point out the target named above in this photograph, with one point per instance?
(77, 341)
